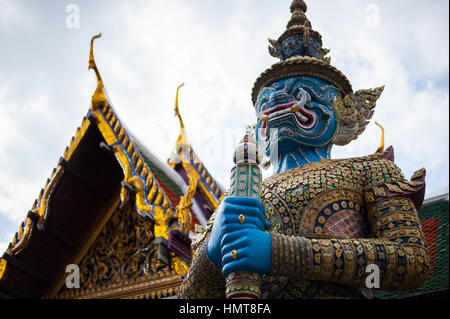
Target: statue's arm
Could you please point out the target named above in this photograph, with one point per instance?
(397, 244)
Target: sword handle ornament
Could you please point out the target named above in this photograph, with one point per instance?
(245, 181)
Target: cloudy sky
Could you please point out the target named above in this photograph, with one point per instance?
(218, 49)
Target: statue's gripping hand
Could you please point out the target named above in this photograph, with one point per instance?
(247, 237)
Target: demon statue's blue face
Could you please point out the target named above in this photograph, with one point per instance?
(296, 113)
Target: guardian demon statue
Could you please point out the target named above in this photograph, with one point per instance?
(320, 222)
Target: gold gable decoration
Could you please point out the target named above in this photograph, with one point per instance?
(122, 260)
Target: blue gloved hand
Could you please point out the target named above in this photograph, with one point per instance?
(227, 221)
(254, 251)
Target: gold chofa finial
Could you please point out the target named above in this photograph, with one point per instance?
(177, 111)
(99, 97)
(381, 148)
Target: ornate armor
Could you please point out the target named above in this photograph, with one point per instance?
(329, 221)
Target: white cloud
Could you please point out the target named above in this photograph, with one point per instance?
(13, 15)
(4, 243)
(20, 174)
(8, 13)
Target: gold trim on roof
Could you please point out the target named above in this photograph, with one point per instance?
(184, 207)
(2, 267)
(184, 217)
(162, 284)
(151, 200)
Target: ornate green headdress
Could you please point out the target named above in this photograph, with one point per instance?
(300, 50)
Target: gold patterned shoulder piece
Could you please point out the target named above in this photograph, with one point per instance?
(387, 154)
(413, 189)
(354, 111)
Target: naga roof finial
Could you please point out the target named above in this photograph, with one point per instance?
(182, 138)
(177, 110)
(99, 97)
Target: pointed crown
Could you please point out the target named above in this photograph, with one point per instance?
(299, 39)
(300, 50)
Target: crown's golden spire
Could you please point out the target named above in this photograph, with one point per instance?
(300, 21)
(298, 10)
(99, 97)
(177, 110)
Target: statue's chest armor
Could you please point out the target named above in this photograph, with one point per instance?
(317, 201)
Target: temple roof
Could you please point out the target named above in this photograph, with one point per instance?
(104, 167)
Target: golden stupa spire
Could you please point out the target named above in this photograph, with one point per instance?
(99, 97)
